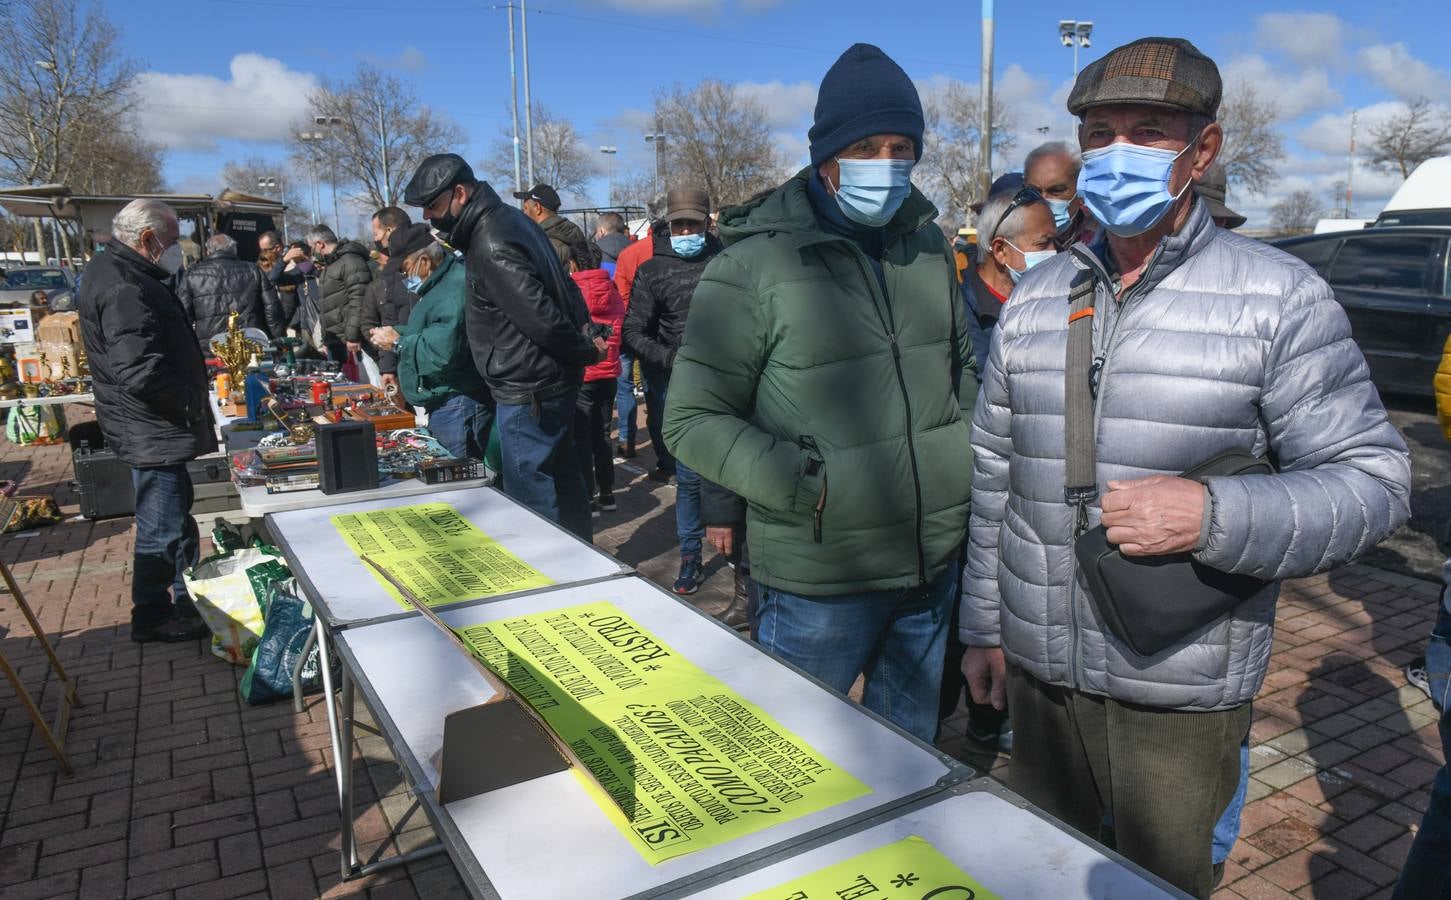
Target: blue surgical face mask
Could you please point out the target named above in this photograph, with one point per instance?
(872, 190)
(687, 245)
(1126, 186)
(1030, 259)
(413, 283)
(1060, 211)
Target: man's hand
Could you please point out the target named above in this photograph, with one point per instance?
(385, 338)
(602, 348)
(354, 347)
(294, 254)
(1154, 516)
(986, 672)
(721, 538)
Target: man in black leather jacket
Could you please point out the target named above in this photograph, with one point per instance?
(222, 284)
(525, 322)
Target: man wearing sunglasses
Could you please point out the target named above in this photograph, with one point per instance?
(1015, 232)
(1188, 341)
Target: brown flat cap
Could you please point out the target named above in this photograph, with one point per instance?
(1155, 71)
(687, 203)
(1213, 188)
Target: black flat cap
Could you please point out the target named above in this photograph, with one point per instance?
(1155, 71)
(687, 203)
(435, 175)
(547, 196)
(406, 241)
(1213, 189)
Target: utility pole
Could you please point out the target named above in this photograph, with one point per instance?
(609, 153)
(383, 149)
(986, 152)
(1350, 164)
(514, 100)
(528, 101)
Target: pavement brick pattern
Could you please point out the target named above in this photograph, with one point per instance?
(183, 791)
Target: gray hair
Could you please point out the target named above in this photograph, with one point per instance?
(319, 234)
(434, 253)
(1054, 148)
(991, 224)
(138, 216)
(221, 245)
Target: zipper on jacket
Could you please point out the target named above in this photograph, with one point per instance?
(820, 508)
(889, 324)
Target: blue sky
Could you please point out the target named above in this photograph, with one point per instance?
(222, 78)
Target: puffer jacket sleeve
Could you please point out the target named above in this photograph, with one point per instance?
(1442, 383)
(642, 320)
(978, 622)
(356, 279)
(712, 389)
(272, 315)
(1344, 473)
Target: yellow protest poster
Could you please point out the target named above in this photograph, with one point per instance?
(438, 554)
(684, 762)
(910, 869)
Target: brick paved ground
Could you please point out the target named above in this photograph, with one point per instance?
(182, 791)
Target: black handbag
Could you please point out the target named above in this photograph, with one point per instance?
(1153, 602)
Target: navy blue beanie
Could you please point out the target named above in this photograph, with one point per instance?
(864, 93)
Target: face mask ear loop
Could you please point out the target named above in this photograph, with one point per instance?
(1193, 142)
(835, 188)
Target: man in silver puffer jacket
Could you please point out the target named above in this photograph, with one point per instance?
(1203, 341)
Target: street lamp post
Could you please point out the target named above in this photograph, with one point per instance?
(328, 122)
(609, 153)
(273, 183)
(1075, 34)
(658, 139)
(311, 139)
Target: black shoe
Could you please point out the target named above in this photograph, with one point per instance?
(607, 502)
(660, 475)
(625, 451)
(999, 738)
(171, 631)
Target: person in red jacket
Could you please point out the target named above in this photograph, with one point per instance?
(597, 395)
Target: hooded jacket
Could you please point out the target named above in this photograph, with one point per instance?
(1223, 343)
(525, 315)
(660, 300)
(605, 308)
(564, 236)
(214, 288)
(836, 407)
(344, 283)
(147, 372)
(434, 362)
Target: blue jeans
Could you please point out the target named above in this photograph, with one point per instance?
(541, 465)
(656, 383)
(625, 398)
(167, 543)
(1226, 830)
(687, 511)
(462, 426)
(1427, 873)
(895, 638)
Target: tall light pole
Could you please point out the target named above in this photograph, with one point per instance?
(514, 101)
(1350, 164)
(312, 139)
(1075, 34)
(273, 183)
(657, 138)
(528, 102)
(986, 151)
(328, 122)
(609, 153)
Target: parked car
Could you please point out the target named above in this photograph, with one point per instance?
(21, 286)
(1392, 281)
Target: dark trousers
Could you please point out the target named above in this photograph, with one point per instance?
(1163, 776)
(1427, 874)
(657, 380)
(541, 467)
(592, 435)
(167, 543)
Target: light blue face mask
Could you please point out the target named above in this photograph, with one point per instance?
(687, 245)
(1060, 211)
(413, 283)
(1126, 186)
(872, 190)
(1030, 259)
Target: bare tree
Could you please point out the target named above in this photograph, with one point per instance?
(1406, 140)
(291, 189)
(561, 158)
(717, 139)
(377, 135)
(950, 170)
(1252, 144)
(636, 189)
(1295, 214)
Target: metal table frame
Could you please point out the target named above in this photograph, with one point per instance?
(451, 840)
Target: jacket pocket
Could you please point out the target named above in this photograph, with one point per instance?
(811, 485)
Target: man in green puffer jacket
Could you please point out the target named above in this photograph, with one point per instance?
(827, 377)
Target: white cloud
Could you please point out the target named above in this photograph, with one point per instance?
(193, 112)
(1294, 93)
(1330, 133)
(409, 59)
(787, 106)
(1304, 37)
(1396, 71)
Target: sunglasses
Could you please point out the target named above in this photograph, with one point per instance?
(1023, 197)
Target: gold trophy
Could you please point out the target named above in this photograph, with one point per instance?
(235, 350)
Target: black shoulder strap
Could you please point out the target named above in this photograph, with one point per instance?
(1080, 481)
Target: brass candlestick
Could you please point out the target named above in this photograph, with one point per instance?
(235, 350)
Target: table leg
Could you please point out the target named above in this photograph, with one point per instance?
(324, 659)
(301, 660)
(344, 759)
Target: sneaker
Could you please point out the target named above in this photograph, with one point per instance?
(607, 502)
(689, 580)
(171, 631)
(594, 509)
(1000, 740)
(1416, 675)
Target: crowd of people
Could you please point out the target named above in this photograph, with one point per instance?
(901, 454)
